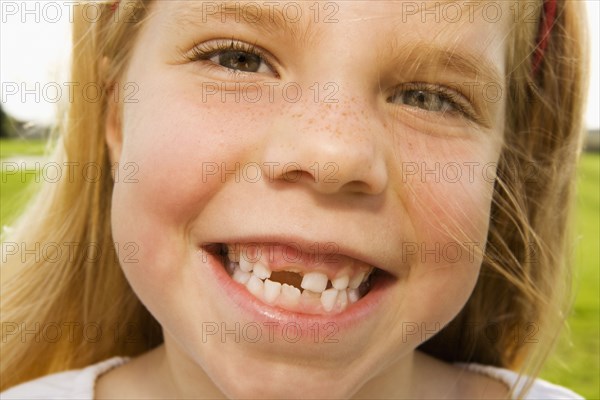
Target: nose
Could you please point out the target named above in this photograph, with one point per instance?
(330, 148)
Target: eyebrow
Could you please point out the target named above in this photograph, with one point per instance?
(425, 56)
(266, 20)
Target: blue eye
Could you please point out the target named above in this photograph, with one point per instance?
(425, 100)
(433, 98)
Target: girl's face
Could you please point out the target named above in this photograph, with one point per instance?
(346, 148)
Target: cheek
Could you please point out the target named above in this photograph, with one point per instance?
(183, 153)
(453, 214)
(448, 199)
(448, 187)
(178, 159)
(169, 170)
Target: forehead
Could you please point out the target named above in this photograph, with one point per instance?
(470, 32)
(305, 16)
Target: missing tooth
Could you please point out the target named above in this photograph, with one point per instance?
(291, 278)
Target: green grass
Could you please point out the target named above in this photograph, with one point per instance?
(14, 193)
(14, 185)
(21, 147)
(575, 363)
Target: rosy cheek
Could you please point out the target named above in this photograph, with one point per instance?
(182, 163)
(446, 235)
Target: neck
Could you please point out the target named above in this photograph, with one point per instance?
(184, 378)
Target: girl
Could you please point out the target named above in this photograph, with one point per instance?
(303, 200)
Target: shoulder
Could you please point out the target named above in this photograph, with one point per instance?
(540, 389)
(73, 384)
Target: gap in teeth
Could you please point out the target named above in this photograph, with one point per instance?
(289, 277)
(295, 279)
(290, 288)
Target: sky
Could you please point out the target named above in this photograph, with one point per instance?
(35, 46)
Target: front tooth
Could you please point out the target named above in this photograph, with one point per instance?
(261, 271)
(241, 276)
(290, 293)
(357, 280)
(353, 295)
(342, 299)
(341, 282)
(272, 291)
(328, 299)
(245, 265)
(314, 281)
(255, 286)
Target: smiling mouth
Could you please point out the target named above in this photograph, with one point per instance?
(283, 277)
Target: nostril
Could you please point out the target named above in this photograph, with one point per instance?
(298, 175)
(357, 187)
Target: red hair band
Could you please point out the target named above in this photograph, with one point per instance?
(544, 33)
(542, 40)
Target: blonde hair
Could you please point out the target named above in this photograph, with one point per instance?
(524, 276)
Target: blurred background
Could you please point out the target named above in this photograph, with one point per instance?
(34, 55)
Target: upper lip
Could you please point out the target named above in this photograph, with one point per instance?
(310, 247)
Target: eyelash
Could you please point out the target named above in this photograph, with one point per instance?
(457, 100)
(205, 51)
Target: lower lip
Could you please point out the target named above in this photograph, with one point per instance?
(357, 313)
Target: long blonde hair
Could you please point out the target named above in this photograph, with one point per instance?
(62, 312)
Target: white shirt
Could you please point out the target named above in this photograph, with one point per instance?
(79, 384)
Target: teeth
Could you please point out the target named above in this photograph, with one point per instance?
(255, 286)
(245, 265)
(341, 282)
(342, 299)
(328, 299)
(241, 276)
(290, 294)
(357, 280)
(343, 290)
(272, 291)
(231, 266)
(307, 294)
(261, 271)
(314, 281)
(233, 255)
(353, 295)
